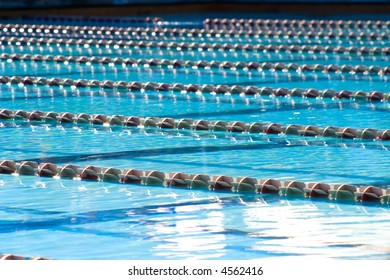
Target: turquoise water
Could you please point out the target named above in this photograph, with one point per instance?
(85, 220)
(293, 110)
(206, 153)
(99, 220)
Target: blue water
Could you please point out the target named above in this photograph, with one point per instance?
(132, 222)
(96, 220)
(293, 110)
(262, 156)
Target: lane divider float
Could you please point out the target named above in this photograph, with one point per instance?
(86, 19)
(297, 23)
(12, 257)
(187, 33)
(197, 125)
(26, 81)
(201, 64)
(270, 48)
(322, 27)
(296, 189)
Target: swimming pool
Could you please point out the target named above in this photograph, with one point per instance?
(235, 98)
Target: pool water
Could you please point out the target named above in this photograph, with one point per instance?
(73, 219)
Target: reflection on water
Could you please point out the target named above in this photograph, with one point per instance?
(134, 222)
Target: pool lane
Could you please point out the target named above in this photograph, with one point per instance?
(292, 110)
(184, 75)
(84, 220)
(341, 161)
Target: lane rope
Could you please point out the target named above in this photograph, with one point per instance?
(249, 185)
(7, 257)
(196, 125)
(261, 48)
(28, 81)
(201, 64)
(224, 24)
(305, 23)
(187, 33)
